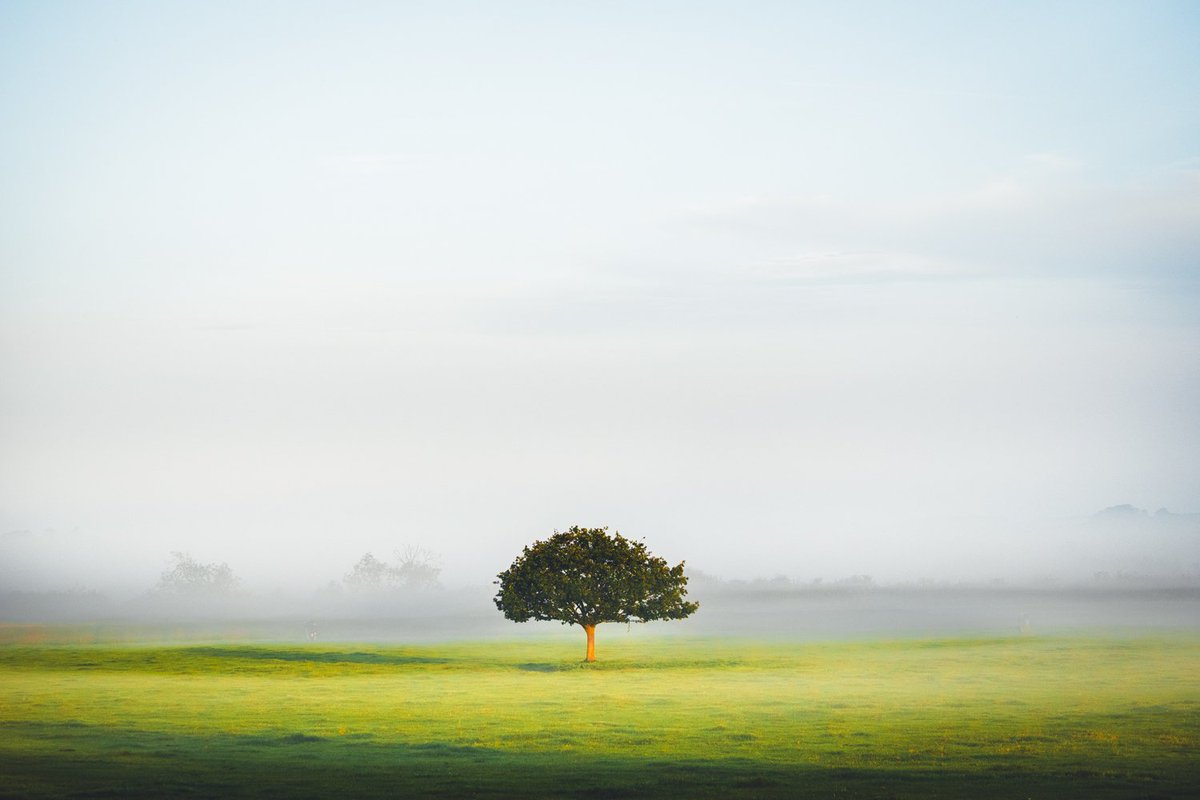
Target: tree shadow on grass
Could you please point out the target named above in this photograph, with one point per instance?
(386, 658)
(312, 656)
(626, 665)
(198, 659)
(546, 666)
(42, 760)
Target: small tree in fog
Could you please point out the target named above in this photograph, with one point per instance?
(368, 573)
(189, 577)
(584, 576)
(414, 568)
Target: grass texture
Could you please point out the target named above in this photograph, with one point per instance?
(985, 718)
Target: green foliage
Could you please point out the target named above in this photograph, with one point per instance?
(584, 576)
(664, 717)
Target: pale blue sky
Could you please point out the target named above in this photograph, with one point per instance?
(770, 284)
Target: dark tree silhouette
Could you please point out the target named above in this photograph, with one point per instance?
(584, 576)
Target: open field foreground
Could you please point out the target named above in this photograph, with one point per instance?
(1016, 717)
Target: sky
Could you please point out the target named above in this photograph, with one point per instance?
(813, 289)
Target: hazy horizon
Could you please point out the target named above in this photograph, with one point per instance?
(1118, 547)
(908, 290)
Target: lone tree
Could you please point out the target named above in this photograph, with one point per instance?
(584, 576)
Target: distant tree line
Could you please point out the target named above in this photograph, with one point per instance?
(412, 567)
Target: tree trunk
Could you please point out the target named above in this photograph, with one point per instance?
(591, 646)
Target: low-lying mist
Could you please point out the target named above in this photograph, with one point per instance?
(1120, 569)
(765, 610)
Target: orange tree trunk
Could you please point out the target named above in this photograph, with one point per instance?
(590, 630)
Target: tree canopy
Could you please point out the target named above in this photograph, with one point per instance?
(585, 576)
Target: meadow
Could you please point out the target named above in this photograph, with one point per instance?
(1002, 717)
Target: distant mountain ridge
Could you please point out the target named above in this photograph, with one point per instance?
(1130, 514)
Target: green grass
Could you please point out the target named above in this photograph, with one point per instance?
(1005, 718)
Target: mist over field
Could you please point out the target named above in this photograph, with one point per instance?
(1133, 572)
(794, 291)
(1120, 544)
(332, 334)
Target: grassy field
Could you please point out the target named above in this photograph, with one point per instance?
(656, 717)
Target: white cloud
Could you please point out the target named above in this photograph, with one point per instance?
(825, 267)
(1045, 220)
(1054, 161)
(376, 163)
